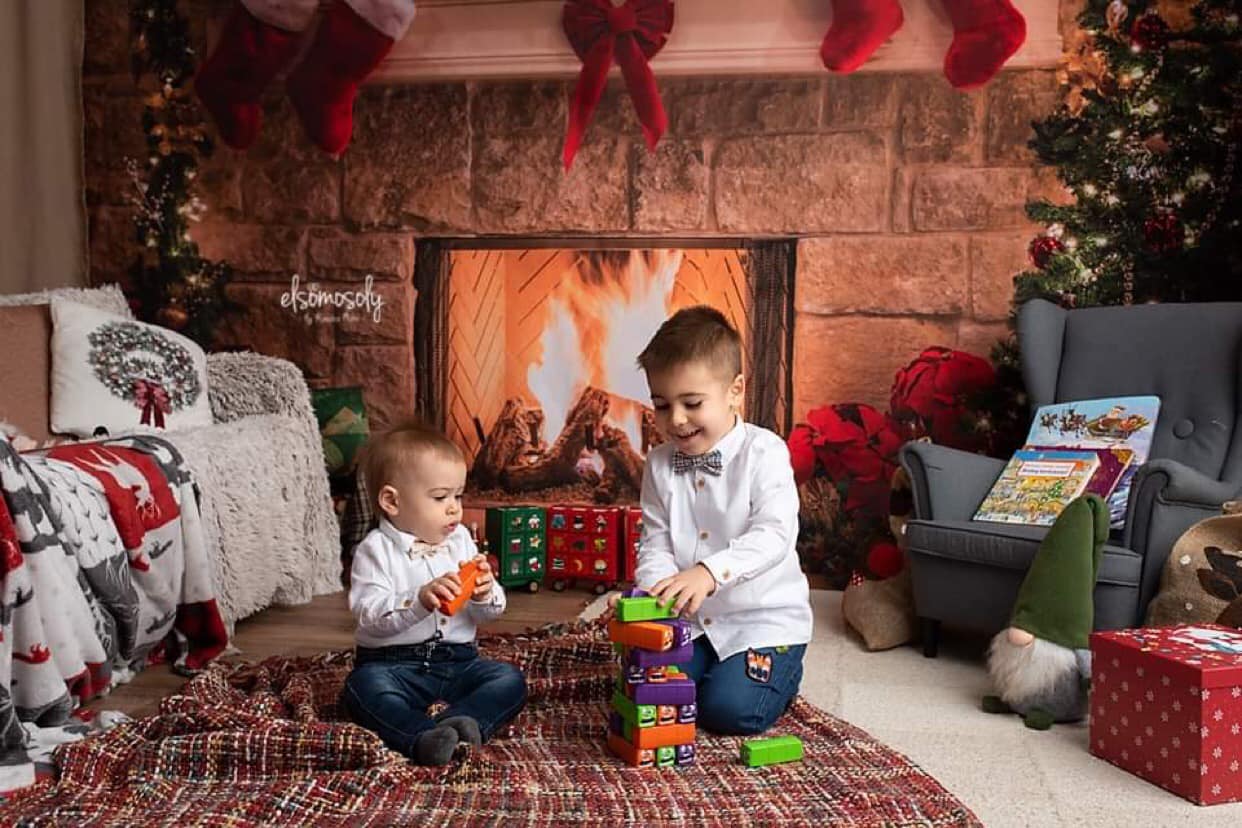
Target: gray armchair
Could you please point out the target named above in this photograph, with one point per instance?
(966, 574)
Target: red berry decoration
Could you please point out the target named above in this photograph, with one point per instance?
(1149, 32)
(1042, 249)
(884, 559)
(1163, 232)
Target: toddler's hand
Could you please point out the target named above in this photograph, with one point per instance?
(445, 588)
(685, 590)
(483, 581)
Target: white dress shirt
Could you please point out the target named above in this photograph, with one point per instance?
(384, 583)
(741, 524)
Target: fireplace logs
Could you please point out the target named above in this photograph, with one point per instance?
(588, 451)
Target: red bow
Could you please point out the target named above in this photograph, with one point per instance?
(153, 400)
(632, 33)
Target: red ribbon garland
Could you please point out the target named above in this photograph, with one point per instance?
(631, 33)
(153, 400)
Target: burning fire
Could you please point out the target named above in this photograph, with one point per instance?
(599, 318)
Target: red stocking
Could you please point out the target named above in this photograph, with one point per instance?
(858, 28)
(322, 88)
(248, 56)
(986, 33)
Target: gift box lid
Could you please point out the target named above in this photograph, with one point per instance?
(1212, 652)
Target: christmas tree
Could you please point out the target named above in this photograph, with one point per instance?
(169, 282)
(1147, 143)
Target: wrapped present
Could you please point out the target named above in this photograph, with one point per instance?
(1166, 705)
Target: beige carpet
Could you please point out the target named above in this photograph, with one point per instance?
(1008, 775)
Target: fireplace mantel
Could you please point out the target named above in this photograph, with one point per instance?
(477, 39)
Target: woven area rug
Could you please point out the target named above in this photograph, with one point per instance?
(264, 744)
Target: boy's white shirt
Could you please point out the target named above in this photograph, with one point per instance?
(743, 526)
(384, 582)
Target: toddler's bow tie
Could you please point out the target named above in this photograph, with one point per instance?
(711, 462)
(420, 548)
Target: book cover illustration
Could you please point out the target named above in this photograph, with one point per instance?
(1107, 423)
(1036, 485)
(1113, 464)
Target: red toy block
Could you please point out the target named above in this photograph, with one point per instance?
(645, 634)
(468, 574)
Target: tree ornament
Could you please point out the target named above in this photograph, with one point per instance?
(1042, 249)
(631, 34)
(1163, 232)
(1149, 33)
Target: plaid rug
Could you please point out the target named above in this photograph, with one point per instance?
(265, 744)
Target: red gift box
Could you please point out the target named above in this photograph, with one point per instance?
(1166, 705)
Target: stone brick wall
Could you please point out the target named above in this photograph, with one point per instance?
(906, 195)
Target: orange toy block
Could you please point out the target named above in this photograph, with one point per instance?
(650, 738)
(645, 634)
(468, 574)
(629, 754)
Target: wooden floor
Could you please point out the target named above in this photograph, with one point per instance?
(323, 624)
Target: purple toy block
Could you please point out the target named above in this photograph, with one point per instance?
(650, 658)
(635, 675)
(634, 592)
(687, 713)
(615, 723)
(679, 692)
(681, 630)
(685, 754)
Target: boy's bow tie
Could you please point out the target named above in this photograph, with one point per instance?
(420, 548)
(711, 462)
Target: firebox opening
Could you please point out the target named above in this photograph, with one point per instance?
(526, 351)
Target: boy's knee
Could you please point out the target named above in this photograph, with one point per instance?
(507, 679)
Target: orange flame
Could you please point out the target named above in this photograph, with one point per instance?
(598, 319)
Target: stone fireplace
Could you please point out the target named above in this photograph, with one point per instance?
(527, 350)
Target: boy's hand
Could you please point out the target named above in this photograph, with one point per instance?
(445, 588)
(483, 581)
(686, 590)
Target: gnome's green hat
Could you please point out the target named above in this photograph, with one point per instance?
(1055, 602)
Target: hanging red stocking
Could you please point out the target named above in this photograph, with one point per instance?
(858, 28)
(258, 39)
(353, 38)
(986, 33)
(631, 34)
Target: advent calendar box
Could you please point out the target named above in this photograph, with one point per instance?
(1166, 705)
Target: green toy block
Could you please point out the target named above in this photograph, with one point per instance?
(771, 751)
(642, 609)
(638, 715)
(666, 757)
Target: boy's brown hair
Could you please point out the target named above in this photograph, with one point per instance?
(692, 334)
(400, 445)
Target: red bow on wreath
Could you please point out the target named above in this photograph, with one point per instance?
(632, 33)
(151, 397)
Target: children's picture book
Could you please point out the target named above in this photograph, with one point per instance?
(1113, 464)
(1115, 423)
(1036, 485)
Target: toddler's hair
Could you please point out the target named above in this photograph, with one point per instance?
(693, 334)
(399, 446)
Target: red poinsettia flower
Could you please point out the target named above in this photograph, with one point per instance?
(931, 396)
(801, 444)
(856, 448)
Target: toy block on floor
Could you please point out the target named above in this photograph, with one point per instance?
(771, 751)
(645, 608)
(629, 754)
(468, 574)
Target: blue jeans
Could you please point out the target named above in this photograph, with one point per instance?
(747, 692)
(391, 688)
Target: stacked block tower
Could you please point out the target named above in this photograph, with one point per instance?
(652, 718)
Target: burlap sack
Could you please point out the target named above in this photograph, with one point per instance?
(882, 612)
(1202, 579)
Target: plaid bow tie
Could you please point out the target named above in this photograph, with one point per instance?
(712, 463)
(423, 549)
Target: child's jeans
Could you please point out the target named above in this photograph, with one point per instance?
(391, 688)
(748, 691)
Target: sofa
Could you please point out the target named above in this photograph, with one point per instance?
(266, 512)
(966, 573)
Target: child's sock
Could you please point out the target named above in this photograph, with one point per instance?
(467, 729)
(435, 746)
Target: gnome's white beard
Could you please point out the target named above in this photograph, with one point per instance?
(1021, 674)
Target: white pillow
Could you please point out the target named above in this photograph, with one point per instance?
(122, 375)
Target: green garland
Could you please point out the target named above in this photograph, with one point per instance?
(170, 283)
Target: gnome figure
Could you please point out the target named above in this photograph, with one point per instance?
(1041, 665)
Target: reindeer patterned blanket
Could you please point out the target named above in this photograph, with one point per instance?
(103, 569)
